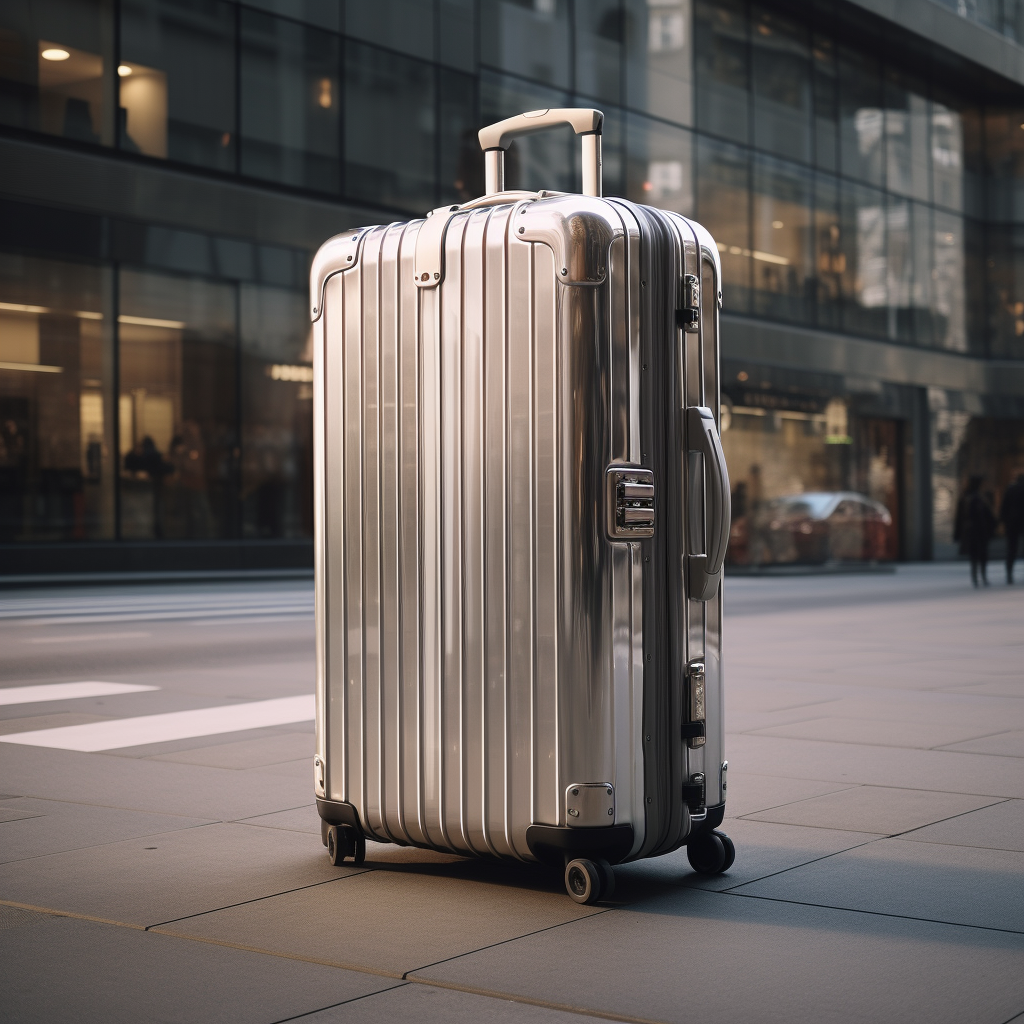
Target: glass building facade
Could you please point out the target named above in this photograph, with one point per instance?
(168, 167)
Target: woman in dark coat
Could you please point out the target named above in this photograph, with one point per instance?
(975, 524)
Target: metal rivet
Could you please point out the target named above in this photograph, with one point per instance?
(522, 231)
(648, 739)
(610, 811)
(609, 793)
(649, 657)
(650, 800)
(349, 258)
(314, 309)
(564, 271)
(575, 792)
(424, 276)
(437, 277)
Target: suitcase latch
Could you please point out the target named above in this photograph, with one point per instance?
(688, 313)
(694, 728)
(630, 503)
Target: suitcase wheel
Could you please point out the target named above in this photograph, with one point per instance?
(587, 881)
(711, 853)
(344, 842)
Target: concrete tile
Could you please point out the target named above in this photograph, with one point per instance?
(749, 792)
(430, 1004)
(157, 751)
(422, 912)
(757, 961)
(954, 884)
(873, 809)
(176, 874)
(892, 733)
(301, 771)
(253, 753)
(999, 827)
(996, 686)
(938, 770)
(109, 974)
(28, 723)
(298, 819)
(192, 790)
(1007, 744)
(57, 827)
(762, 849)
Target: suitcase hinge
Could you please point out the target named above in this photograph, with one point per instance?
(590, 805)
(694, 728)
(688, 313)
(428, 259)
(630, 501)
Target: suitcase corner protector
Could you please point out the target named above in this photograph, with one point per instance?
(551, 844)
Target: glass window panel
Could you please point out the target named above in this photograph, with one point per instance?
(829, 252)
(527, 37)
(782, 258)
(290, 102)
(862, 237)
(1004, 145)
(949, 270)
(277, 413)
(457, 34)
(177, 404)
(56, 68)
(462, 161)
(947, 157)
(542, 161)
(908, 270)
(322, 13)
(394, 167)
(861, 119)
(723, 207)
(403, 25)
(907, 118)
(56, 401)
(826, 104)
(177, 80)
(599, 26)
(782, 85)
(1006, 291)
(659, 58)
(722, 55)
(659, 165)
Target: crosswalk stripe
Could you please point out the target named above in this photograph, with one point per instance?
(66, 691)
(175, 725)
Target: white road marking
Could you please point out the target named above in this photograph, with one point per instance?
(175, 725)
(82, 637)
(66, 691)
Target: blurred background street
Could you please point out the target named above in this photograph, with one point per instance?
(159, 841)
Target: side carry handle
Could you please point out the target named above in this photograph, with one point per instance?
(585, 121)
(704, 571)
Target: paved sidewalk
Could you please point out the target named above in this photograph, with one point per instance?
(876, 798)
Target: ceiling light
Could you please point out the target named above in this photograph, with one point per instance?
(777, 224)
(55, 54)
(123, 70)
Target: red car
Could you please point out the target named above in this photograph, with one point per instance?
(814, 528)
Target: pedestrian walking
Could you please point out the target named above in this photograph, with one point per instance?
(1011, 512)
(975, 524)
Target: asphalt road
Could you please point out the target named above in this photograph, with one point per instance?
(160, 856)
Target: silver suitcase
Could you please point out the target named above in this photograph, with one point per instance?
(522, 508)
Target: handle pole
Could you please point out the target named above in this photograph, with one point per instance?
(494, 171)
(593, 176)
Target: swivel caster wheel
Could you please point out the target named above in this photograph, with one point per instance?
(583, 880)
(343, 842)
(711, 853)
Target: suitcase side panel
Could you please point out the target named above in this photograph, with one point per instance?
(481, 637)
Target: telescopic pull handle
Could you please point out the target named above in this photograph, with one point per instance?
(584, 121)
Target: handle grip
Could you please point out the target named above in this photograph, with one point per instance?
(704, 570)
(585, 121)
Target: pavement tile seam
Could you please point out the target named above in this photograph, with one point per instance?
(515, 997)
(872, 913)
(344, 1002)
(910, 831)
(505, 942)
(257, 899)
(945, 748)
(775, 807)
(50, 912)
